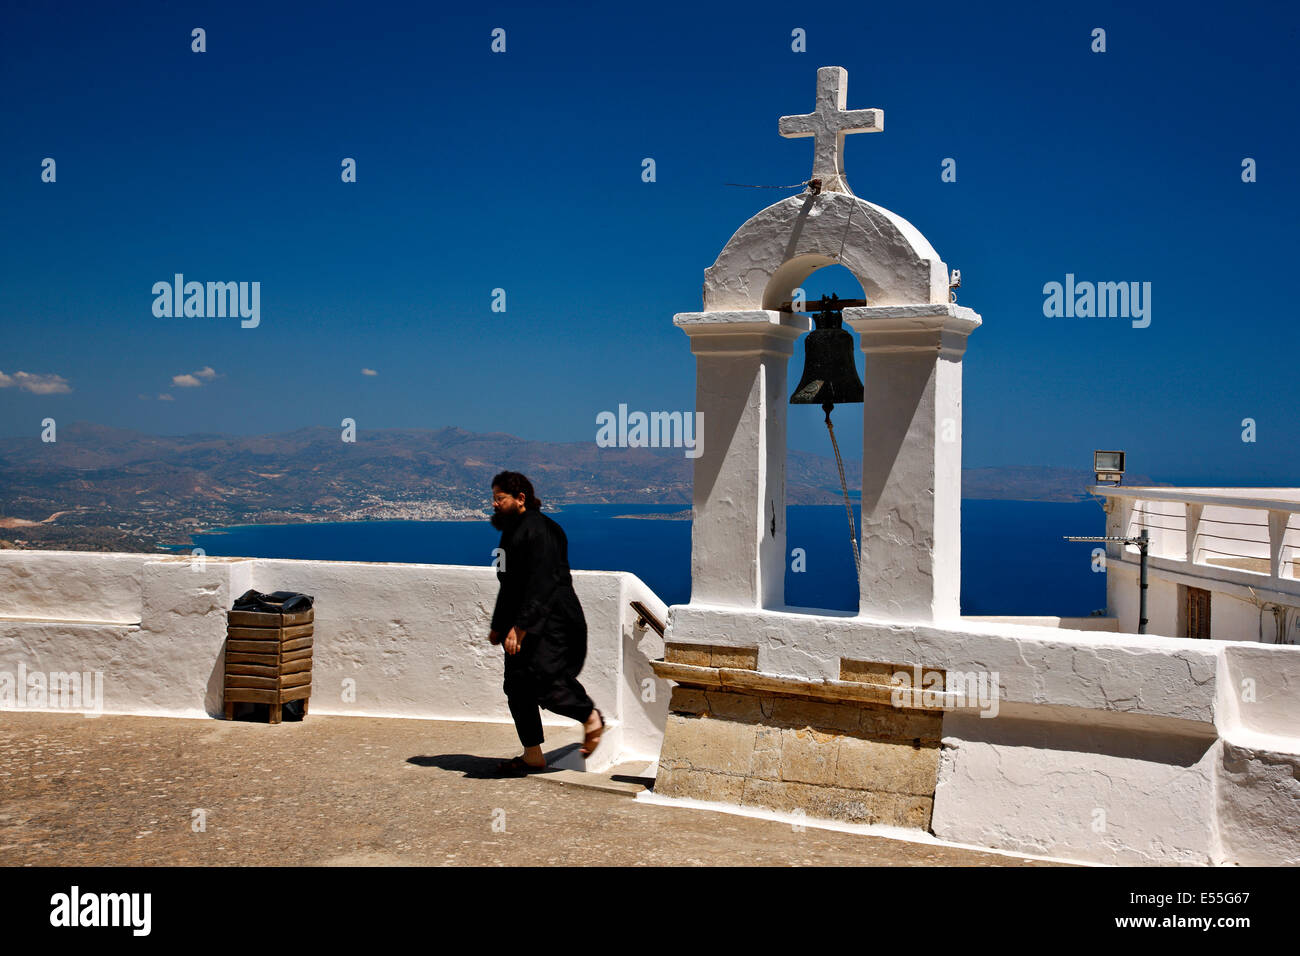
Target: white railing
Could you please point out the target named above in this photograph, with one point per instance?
(1247, 535)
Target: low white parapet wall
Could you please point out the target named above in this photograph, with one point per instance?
(390, 640)
(1098, 746)
(1106, 747)
(1094, 623)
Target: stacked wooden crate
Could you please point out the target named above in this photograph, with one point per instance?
(268, 659)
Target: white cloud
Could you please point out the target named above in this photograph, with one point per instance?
(164, 397)
(194, 379)
(368, 371)
(36, 384)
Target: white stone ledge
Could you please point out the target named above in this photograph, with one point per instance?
(1087, 670)
(920, 315)
(1279, 499)
(739, 332)
(66, 620)
(1097, 623)
(761, 320)
(1279, 745)
(885, 330)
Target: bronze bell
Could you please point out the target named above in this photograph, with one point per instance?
(830, 374)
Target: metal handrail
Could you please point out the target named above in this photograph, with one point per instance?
(646, 616)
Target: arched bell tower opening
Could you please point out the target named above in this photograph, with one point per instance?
(822, 533)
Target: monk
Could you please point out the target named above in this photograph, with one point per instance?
(540, 622)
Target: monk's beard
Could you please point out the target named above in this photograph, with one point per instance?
(505, 520)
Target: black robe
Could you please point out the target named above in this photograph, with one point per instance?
(536, 586)
(537, 596)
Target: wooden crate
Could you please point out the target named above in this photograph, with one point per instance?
(268, 659)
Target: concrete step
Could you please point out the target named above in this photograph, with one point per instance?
(626, 785)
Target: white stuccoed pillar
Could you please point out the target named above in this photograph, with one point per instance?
(911, 459)
(738, 533)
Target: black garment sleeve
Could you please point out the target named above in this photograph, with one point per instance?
(501, 614)
(507, 597)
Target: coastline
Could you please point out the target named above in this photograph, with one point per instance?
(228, 528)
(684, 514)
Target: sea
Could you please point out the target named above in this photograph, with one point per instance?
(1014, 557)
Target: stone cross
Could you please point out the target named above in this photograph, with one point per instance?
(829, 123)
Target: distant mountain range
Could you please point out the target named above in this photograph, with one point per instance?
(102, 488)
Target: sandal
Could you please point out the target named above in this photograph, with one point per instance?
(588, 744)
(517, 766)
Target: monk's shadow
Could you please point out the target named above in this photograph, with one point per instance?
(475, 767)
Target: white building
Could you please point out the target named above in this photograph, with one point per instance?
(1224, 563)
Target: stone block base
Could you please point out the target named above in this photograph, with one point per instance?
(856, 760)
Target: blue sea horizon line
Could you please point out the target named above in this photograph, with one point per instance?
(1035, 571)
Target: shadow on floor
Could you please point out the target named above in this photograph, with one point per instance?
(647, 782)
(476, 767)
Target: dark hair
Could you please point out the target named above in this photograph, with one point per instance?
(513, 484)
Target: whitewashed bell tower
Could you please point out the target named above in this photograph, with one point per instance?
(913, 338)
(787, 709)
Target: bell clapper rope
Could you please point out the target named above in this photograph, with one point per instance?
(844, 487)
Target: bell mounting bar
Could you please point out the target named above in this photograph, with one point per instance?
(832, 304)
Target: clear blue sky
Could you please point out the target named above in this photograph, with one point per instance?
(522, 171)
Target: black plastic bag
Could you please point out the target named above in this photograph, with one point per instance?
(277, 602)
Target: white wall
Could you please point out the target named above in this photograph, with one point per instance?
(1259, 775)
(1078, 788)
(1189, 749)
(1110, 747)
(411, 637)
(1234, 615)
(64, 585)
